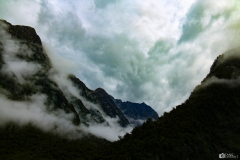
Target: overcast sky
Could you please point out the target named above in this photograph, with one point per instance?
(153, 51)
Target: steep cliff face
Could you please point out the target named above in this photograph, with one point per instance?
(27, 71)
(204, 126)
(136, 113)
(102, 98)
(25, 66)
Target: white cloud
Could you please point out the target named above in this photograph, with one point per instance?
(21, 69)
(20, 12)
(111, 132)
(63, 65)
(123, 46)
(14, 65)
(214, 80)
(35, 112)
(34, 108)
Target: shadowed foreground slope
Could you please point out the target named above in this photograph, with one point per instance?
(28, 142)
(205, 125)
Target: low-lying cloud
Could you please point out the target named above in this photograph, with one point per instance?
(34, 108)
(111, 132)
(34, 111)
(155, 51)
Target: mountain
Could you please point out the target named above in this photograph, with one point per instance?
(136, 113)
(27, 73)
(205, 125)
(101, 97)
(19, 86)
(27, 53)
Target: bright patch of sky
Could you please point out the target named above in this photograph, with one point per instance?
(154, 51)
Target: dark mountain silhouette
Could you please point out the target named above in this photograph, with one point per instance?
(136, 113)
(40, 82)
(26, 37)
(36, 83)
(101, 97)
(205, 125)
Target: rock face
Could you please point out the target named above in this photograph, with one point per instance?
(136, 113)
(204, 126)
(100, 97)
(20, 46)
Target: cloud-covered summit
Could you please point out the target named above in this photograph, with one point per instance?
(154, 51)
(35, 91)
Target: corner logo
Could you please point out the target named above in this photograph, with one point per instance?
(222, 155)
(227, 155)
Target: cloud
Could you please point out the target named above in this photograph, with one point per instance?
(35, 112)
(15, 11)
(117, 50)
(111, 132)
(20, 69)
(104, 3)
(63, 65)
(231, 83)
(13, 64)
(233, 53)
(155, 51)
(34, 108)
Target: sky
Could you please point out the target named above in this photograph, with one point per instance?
(154, 51)
(35, 108)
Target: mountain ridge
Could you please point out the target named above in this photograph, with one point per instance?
(204, 126)
(137, 113)
(26, 49)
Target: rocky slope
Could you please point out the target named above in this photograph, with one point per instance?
(137, 113)
(26, 71)
(204, 126)
(100, 97)
(201, 128)
(20, 49)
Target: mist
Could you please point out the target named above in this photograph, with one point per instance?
(154, 52)
(34, 109)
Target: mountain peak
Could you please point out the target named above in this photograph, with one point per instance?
(100, 90)
(209, 115)
(136, 113)
(23, 32)
(226, 66)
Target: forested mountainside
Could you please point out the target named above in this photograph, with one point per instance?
(26, 70)
(22, 85)
(205, 125)
(99, 96)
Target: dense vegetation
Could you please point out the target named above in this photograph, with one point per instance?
(28, 142)
(23, 45)
(205, 125)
